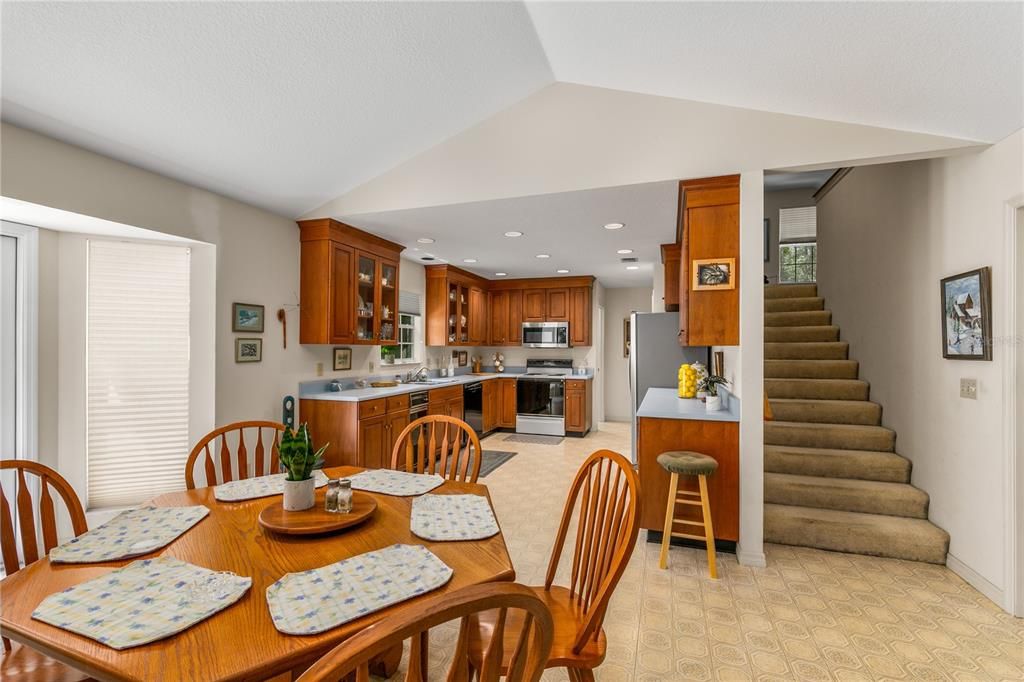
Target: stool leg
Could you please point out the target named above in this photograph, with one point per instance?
(709, 532)
(670, 513)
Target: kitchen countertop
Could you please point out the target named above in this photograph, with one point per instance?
(665, 403)
(370, 393)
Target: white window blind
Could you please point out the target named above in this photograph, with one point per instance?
(798, 224)
(137, 371)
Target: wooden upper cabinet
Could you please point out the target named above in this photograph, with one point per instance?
(670, 258)
(477, 316)
(456, 307)
(515, 319)
(579, 316)
(558, 305)
(498, 318)
(535, 305)
(709, 230)
(348, 280)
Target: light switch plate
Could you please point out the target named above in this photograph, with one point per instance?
(969, 388)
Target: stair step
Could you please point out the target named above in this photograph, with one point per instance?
(831, 350)
(838, 436)
(810, 369)
(826, 411)
(817, 389)
(801, 333)
(790, 290)
(799, 318)
(846, 494)
(871, 534)
(786, 305)
(864, 465)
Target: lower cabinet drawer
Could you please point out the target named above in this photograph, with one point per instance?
(371, 408)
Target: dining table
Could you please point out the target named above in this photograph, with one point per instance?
(241, 642)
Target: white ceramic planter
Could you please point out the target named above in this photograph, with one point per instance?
(714, 403)
(299, 495)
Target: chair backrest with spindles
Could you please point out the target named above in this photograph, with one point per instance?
(442, 445)
(529, 656)
(24, 506)
(608, 491)
(225, 448)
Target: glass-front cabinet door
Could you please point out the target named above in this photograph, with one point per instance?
(366, 298)
(388, 329)
(453, 314)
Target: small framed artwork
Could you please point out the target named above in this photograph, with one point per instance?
(342, 359)
(713, 273)
(248, 350)
(967, 315)
(247, 317)
(463, 358)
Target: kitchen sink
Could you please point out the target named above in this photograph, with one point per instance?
(447, 380)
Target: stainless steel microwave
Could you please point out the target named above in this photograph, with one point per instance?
(546, 334)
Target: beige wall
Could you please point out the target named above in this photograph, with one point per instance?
(619, 303)
(887, 235)
(773, 201)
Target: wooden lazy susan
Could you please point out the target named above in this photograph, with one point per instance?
(316, 521)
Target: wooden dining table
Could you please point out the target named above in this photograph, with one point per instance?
(240, 642)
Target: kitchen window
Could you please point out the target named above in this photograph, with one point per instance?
(409, 341)
(798, 263)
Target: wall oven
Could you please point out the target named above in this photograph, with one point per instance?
(545, 334)
(540, 397)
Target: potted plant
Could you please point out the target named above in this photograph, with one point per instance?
(299, 461)
(709, 385)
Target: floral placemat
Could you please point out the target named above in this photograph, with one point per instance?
(453, 517)
(261, 486)
(130, 533)
(142, 602)
(398, 483)
(323, 598)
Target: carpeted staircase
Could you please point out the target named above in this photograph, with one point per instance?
(832, 477)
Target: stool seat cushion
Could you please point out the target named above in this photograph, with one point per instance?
(687, 463)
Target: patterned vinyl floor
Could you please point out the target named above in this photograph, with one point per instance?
(810, 615)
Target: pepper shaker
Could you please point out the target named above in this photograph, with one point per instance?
(344, 496)
(331, 496)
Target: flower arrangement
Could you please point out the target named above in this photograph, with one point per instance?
(297, 456)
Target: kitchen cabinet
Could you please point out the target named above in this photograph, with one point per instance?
(446, 401)
(709, 228)
(506, 402)
(348, 285)
(578, 406)
(373, 440)
(535, 305)
(359, 433)
(505, 314)
(515, 318)
(456, 306)
(579, 316)
(491, 408)
(670, 259)
(558, 305)
(477, 316)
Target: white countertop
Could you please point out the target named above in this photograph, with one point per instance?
(665, 403)
(370, 393)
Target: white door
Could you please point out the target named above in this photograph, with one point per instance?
(9, 382)
(599, 368)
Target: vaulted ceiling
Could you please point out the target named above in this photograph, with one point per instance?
(290, 105)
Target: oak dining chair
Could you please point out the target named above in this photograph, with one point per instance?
(20, 662)
(526, 652)
(232, 453)
(439, 444)
(606, 495)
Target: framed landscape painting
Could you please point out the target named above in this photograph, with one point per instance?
(247, 317)
(967, 315)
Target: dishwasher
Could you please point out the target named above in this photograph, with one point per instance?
(473, 404)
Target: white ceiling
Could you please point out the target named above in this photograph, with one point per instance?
(776, 181)
(289, 105)
(568, 226)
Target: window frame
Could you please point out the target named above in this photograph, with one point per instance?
(414, 345)
(813, 262)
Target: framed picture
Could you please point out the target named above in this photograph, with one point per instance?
(247, 317)
(625, 338)
(463, 358)
(967, 315)
(342, 359)
(248, 350)
(713, 273)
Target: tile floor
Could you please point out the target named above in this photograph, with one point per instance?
(809, 615)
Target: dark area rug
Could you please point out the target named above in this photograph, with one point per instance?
(493, 459)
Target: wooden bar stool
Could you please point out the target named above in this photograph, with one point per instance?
(686, 463)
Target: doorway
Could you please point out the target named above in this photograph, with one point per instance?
(18, 247)
(1017, 525)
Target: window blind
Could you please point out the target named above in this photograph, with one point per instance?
(409, 302)
(137, 364)
(798, 224)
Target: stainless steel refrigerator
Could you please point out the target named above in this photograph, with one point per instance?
(655, 356)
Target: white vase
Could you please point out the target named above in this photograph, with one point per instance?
(714, 403)
(299, 495)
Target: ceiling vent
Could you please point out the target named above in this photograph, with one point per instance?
(427, 258)
(629, 259)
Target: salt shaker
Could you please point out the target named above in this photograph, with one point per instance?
(331, 496)
(344, 496)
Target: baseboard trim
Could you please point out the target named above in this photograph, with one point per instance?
(755, 559)
(976, 580)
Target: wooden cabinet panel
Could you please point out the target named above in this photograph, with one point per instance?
(558, 305)
(456, 408)
(394, 422)
(497, 315)
(477, 316)
(373, 442)
(372, 408)
(715, 439)
(515, 318)
(342, 307)
(506, 403)
(579, 316)
(535, 305)
(670, 258)
(491, 408)
(578, 406)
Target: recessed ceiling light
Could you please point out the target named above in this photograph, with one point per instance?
(513, 233)
(500, 274)
(561, 271)
(624, 251)
(614, 226)
(425, 240)
(632, 267)
(543, 255)
(469, 260)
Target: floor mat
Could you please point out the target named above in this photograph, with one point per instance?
(493, 459)
(533, 440)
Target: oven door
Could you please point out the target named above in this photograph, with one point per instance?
(545, 335)
(540, 398)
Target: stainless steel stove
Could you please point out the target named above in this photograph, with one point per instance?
(540, 397)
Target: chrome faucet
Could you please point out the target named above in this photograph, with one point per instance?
(418, 375)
